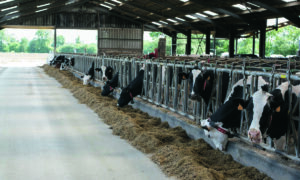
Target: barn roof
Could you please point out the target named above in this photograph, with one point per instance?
(199, 16)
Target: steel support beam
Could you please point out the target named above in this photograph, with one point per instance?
(207, 43)
(231, 45)
(174, 43)
(262, 40)
(188, 43)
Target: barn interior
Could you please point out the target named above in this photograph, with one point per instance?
(121, 24)
(120, 21)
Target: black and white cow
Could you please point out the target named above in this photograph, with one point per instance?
(134, 88)
(201, 84)
(57, 61)
(90, 75)
(268, 114)
(228, 115)
(110, 85)
(67, 62)
(107, 72)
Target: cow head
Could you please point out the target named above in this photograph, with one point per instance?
(260, 115)
(200, 85)
(125, 97)
(218, 138)
(110, 85)
(107, 72)
(86, 79)
(89, 75)
(227, 116)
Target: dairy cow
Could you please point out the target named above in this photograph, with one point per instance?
(268, 113)
(201, 84)
(107, 72)
(90, 75)
(66, 62)
(110, 85)
(134, 88)
(228, 115)
(57, 61)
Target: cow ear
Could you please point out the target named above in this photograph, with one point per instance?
(240, 107)
(182, 76)
(265, 87)
(277, 109)
(241, 104)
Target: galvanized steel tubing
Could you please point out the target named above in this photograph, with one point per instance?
(165, 91)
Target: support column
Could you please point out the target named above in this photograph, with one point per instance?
(98, 43)
(253, 44)
(54, 43)
(174, 43)
(262, 40)
(207, 43)
(231, 45)
(236, 45)
(188, 43)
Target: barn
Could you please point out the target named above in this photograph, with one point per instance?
(228, 115)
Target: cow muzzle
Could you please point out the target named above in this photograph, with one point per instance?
(193, 97)
(255, 136)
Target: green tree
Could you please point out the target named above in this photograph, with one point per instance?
(14, 47)
(91, 49)
(3, 41)
(60, 41)
(77, 40)
(41, 42)
(23, 45)
(67, 48)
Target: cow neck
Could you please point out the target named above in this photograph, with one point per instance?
(220, 129)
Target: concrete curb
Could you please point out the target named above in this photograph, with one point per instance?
(269, 163)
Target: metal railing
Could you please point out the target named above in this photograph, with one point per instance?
(168, 93)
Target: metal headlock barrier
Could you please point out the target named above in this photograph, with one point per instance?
(168, 93)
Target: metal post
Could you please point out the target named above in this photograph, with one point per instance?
(244, 91)
(175, 97)
(298, 142)
(159, 84)
(167, 85)
(146, 80)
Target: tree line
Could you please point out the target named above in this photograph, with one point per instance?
(284, 41)
(43, 42)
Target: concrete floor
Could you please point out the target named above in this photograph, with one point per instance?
(46, 134)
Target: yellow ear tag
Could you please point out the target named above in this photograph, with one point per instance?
(208, 78)
(183, 77)
(278, 109)
(240, 107)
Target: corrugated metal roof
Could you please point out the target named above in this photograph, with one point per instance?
(223, 16)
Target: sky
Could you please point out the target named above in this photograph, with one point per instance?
(86, 36)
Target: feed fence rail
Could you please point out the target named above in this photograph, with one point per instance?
(168, 93)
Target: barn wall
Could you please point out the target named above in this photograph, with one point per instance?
(120, 41)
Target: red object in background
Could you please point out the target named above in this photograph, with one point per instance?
(156, 52)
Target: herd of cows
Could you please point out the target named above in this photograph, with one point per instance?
(267, 111)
